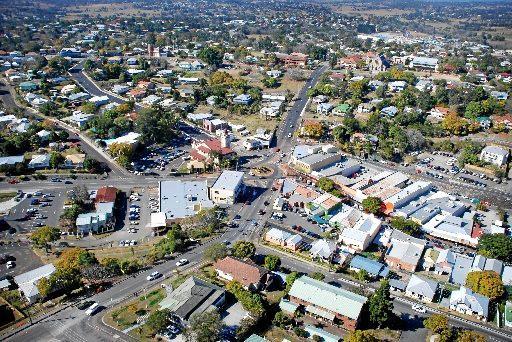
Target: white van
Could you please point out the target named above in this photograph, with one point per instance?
(92, 309)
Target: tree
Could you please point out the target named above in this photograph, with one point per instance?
(75, 258)
(313, 129)
(326, 184)
(215, 252)
(486, 283)
(317, 276)
(63, 280)
(270, 82)
(281, 320)
(211, 55)
(272, 262)
(406, 226)
(56, 159)
(122, 152)
(156, 125)
(205, 327)
(362, 275)
(436, 323)
(252, 302)
(380, 305)
(455, 124)
(470, 336)
(243, 249)
(44, 235)
(372, 205)
(498, 246)
(360, 336)
(221, 77)
(290, 279)
(158, 320)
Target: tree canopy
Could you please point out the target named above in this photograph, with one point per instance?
(205, 327)
(243, 249)
(380, 305)
(486, 283)
(44, 235)
(372, 205)
(497, 246)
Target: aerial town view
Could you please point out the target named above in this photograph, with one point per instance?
(285, 170)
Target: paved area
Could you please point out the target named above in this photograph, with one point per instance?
(26, 260)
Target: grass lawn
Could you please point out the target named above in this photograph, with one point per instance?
(274, 296)
(5, 196)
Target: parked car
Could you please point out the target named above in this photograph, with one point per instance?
(419, 308)
(153, 276)
(181, 262)
(11, 264)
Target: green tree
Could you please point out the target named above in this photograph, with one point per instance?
(270, 82)
(290, 279)
(436, 323)
(372, 205)
(243, 249)
(380, 305)
(44, 235)
(212, 56)
(406, 226)
(156, 125)
(360, 336)
(281, 320)
(317, 276)
(75, 257)
(470, 336)
(497, 246)
(158, 320)
(215, 252)
(474, 110)
(205, 327)
(272, 262)
(362, 275)
(56, 159)
(63, 280)
(486, 283)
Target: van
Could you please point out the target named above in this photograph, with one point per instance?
(92, 309)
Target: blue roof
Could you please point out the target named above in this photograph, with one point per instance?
(373, 267)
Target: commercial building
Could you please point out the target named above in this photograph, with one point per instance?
(327, 302)
(181, 199)
(421, 288)
(228, 188)
(495, 155)
(307, 158)
(468, 302)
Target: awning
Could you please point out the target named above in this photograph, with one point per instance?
(319, 312)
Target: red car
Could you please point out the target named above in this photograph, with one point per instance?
(13, 181)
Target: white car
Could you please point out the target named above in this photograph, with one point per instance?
(181, 262)
(11, 264)
(419, 308)
(153, 276)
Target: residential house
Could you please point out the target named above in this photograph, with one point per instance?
(324, 108)
(468, 302)
(192, 297)
(99, 100)
(389, 111)
(28, 86)
(421, 288)
(243, 99)
(11, 161)
(213, 125)
(39, 161)
(495, 155)
(374, 268)
(247, 273)
(79, 119)
(295, 59)
(499, 95)
(120, 89)
(323, 249)
(378, 64)
(327, 302)
(342, 109)
(27, 282)
(397, 86)
(74, 161)
(424, 63)
(284, 239)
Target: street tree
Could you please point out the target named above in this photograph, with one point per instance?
(272, 262)
(43, 236)
(158, 320)
(360, 336)
(204, 327)
(243, 249)
(215, 252)
(380, 305)
(497, 246)
(486, 283)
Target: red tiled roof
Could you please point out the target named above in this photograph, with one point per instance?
(245, 272)
(106, 194)
(214, 145)
(196, 156)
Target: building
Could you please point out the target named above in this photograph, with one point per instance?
(421, 288)
(27, 282)
(323, 249)
(374, 268)
(378, 64)
(79, 119)
(404, 252)
(12, 161)
(357, 229)
(468, 302)
(247, 273)
(495, 155)
(243, 99)
(284, 239)
(210, 152)
(228, 188)
(295, 59)
(74, 161)
(181, 199)
(307, 158)
(213, 125)
(424, 63)
(39, 161)
(194, 296)
(327, 302)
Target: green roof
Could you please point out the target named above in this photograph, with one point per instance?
(325, 335)
(328, 297)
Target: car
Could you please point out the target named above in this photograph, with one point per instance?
(153, 276)
(55, 180)
(134, 222)
(419, 308)
(68, 182)
(34, 201)
(92, 309)
(133, 230)
(289, 135)
(173, 329)
(11, 264)
(133, 243)
(45, 204)
(121, 243)
(181, 262)
(84, 305)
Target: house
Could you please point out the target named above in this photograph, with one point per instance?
(5, 120)
(28, 86)
(194, 296)
(445, 262)
(404, 252)
(378, 64)
(357, 229)
(499, 95)
(397, 86)
(243, 99)
(324, 108)
(186, 93)
(39, 161)
(424, 63)
(199, 118)
(505, 120)
(295, 59)
(374, 268)
(327, 302)
(247, 273)
(213, 125)
(74, 161)
(284, 239)
(468, 302)
(389, 111)
(151, 100)
(228, 187)
(27, 282)
(12, 161)
(79, 119)
(323, 249)
(343, 109)
(78, 97)
(421, 288)
(96, 222)
(99, 100)
(495, 155)
(424, 85)
(274, 73)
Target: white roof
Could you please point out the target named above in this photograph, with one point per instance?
(27, 282)
(229, 180)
